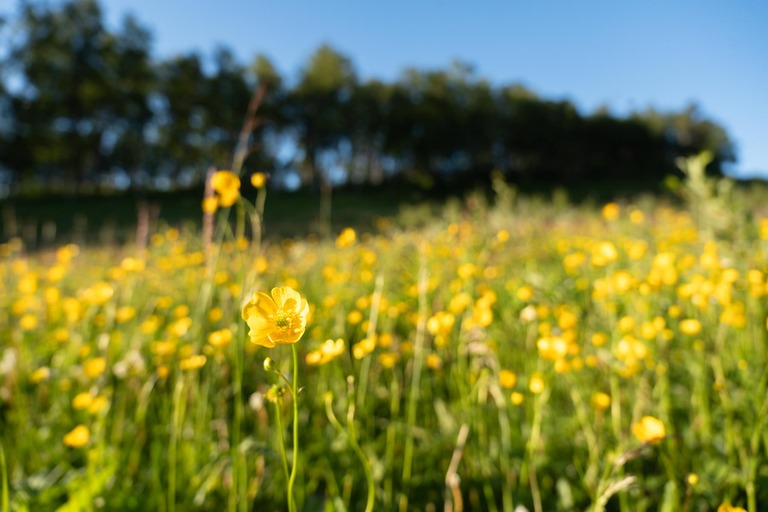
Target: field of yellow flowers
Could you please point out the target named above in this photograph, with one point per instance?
(485, 358)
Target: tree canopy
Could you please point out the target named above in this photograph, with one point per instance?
(84, 105)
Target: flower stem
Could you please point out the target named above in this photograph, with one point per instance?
(295, 463)
(278, 414)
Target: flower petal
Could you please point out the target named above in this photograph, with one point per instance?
(286, 297)
(260, 304)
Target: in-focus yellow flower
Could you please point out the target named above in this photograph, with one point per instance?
(649, 430)
(277, 320)
(77, 437)
(227, 185)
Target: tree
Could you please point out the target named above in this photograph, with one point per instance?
(319, 110)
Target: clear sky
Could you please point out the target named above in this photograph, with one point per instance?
(626, 54)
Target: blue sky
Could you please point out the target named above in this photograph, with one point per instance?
(624, 54)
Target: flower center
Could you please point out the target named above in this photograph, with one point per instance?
(282, 321)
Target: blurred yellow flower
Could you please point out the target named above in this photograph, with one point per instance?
(227, 185)
(98, 294)
(277, 320)
(459, 303)
(440, 325)
(220, 338)
(649, 430)
(258, 179)
(346, 238)
(192, 363)
(28, 322)
(82, 400)
(536, 383)
(77, 437)
(124, 314)
(725, 507)
(94, 367)
(433, 362)
(210, 204)
(41, 374)
(388, 359)
(611, 211)
(354, 317)
(690, 326)
(363, 347)
(601, 401)
(507, 379)
(327, 352)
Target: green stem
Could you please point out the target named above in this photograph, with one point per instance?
(176, 421)
(278, 414)
(389, 452)
(4, 476)
(359, 452)
(617, 432)
(413, 395)
(295, 464)
(237, 463)
(373, 317)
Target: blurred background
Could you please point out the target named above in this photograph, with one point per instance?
(138, 96)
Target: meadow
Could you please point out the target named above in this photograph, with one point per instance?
(483, 355)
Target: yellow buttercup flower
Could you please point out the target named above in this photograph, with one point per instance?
(601, 401)
(77, 437)
(210, 204)
(94, 367)
(690, 326)
(258, 179)
(346, 238)
(82, 400)
(227, 185)
(611, 211)
(649, 430)
(327, 352)
(277, 320)
(725, 507)
(507, 379)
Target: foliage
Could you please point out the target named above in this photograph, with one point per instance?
(521, 353)
(84, 105)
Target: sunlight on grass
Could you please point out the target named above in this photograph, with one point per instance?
(490, 356)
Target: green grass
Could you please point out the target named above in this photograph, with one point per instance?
(478, 334)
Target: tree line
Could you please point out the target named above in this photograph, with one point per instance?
(82, 104)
